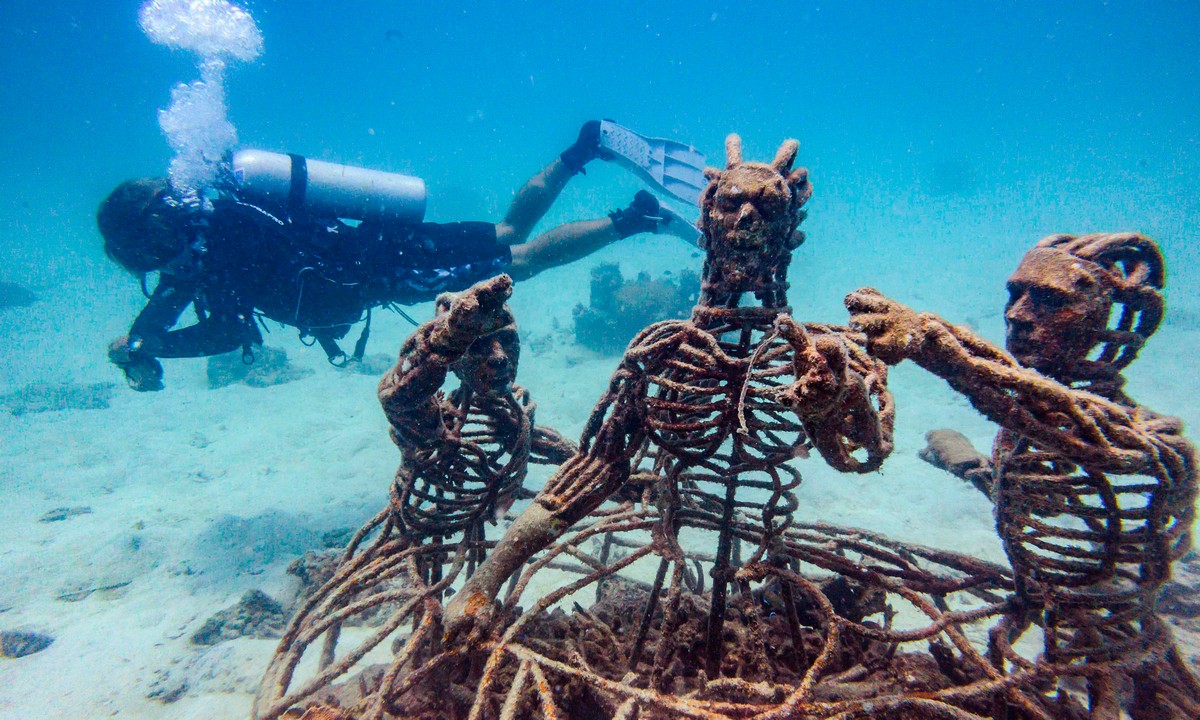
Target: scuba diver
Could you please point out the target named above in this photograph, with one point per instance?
(274, 244)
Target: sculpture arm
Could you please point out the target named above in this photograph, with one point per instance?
(549, 447)
(408, 392)
(1083, 427)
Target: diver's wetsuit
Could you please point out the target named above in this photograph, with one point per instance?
(320, 277)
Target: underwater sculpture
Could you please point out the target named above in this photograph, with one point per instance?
(1095, 495)
(665, 573)
(464, 459)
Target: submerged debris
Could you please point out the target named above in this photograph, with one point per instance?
(270, 366)
(47, 397)
(19, 643)
(621, 308)
(62, 513)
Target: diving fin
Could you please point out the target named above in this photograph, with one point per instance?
(676, 168)
(675, 224)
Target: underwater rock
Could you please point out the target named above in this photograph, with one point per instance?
(1180, 598)
(621, 308)
(270, 367)
(313, 569)
(47, 397)
(62, 513)
(255, 615)
(14, 295)
(19, 643)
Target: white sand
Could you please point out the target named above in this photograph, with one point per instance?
(198, 495)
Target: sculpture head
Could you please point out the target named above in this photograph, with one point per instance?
(749, 215)
(1060, 315)
(489, 366)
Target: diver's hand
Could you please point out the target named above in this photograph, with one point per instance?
(894, 331)
(142, 371)
(473, 313)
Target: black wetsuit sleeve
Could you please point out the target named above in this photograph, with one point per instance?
(216, 333)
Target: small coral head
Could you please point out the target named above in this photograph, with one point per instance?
(750, 211)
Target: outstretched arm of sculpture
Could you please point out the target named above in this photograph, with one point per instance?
(615, 432)
(951, 451)
(1083, 427)
(408, 392)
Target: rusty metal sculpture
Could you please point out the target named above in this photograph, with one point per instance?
(667, 574)
(1095, 495)
(464, 460)
(715, 406)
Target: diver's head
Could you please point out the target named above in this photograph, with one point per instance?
(143, 228)
(1060, 317)
(749, 215)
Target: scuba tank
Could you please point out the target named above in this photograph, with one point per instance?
(316, 187)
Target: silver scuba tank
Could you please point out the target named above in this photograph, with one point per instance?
(324, 188)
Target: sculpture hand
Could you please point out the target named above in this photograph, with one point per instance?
(894, 331)
(473, 313)
(820, 370)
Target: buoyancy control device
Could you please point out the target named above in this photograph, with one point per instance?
(320, 188)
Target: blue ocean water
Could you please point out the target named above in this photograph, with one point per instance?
(943, 140)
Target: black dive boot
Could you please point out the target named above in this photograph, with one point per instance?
(585, 149)
(643, 215)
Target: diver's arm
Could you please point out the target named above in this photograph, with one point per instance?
(219, 332)
(408, 392)
(1082, 426)
(135, 353)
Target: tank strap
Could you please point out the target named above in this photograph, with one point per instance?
(298, 188)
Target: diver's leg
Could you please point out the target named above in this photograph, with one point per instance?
(570, 242)
(536, 196)
(532, 201)
(560, 245)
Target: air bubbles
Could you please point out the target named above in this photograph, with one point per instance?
(196, 123)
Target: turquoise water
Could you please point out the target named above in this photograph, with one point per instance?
(943, 140)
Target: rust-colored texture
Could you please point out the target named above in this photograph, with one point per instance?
(464, 456)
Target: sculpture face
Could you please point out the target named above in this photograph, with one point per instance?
(1057, 308)
(490, 364)
(749, 215)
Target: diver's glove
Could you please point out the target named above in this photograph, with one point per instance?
(585, 149)
(643, 215)
(142, 371)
